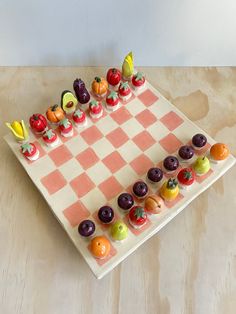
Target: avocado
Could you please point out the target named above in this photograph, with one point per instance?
(68, 101)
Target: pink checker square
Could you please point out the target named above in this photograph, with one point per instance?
(103, 261)
(136, 232)
(66, 139)
(110, 187)
(76, 213)
(148, 98)
(117, 137)
(175, 201)
(200, 179)
(121, 115)
(82, 184)
(146, 118)
(171, 120)
(170, 143)
(60, 155)
(91, 135)
(53, 182)
(40, 149)
(141, 164)
(114, 162)
(87, 158)
(105, 227)
(96, 120)
(144, 140)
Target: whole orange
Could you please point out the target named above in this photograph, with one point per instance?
(100, 246)
(219, 151)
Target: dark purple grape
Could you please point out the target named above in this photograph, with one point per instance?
(199, 140)
(171, 163)
(155, 174)
(125, 201)
(106, 214)
(186, 152)
(140, 189)
(86, 228)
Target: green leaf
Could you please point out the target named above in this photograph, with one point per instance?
(139, 212)
(125, 85)
(93, 103)
(112, 95)
(26, 148)
(49, 133)
(78, 113)
(65, 122)
(138, 76)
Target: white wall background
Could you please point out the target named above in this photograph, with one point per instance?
(90, 32)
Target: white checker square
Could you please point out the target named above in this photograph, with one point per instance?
(64, 202)
(76, 145)
(158, 130)
(98, 173)
(126, 176)
(132, 127)
(106, 125)
(94, 200)
(41, 167)
(160, 108)
(135, 106)
(71, 169)
(156, 153)
(103, 148)
(129, 151)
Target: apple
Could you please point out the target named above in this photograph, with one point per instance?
(119, 231)
(202, 165)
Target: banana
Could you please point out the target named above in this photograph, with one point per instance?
(19, 130)
(128, 65)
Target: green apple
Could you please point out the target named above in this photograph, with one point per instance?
(119, 231)
(202, 165)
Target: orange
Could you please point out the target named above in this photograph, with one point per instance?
(100, 246)
(219, 151)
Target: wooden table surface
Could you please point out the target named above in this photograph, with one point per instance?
(189, 267)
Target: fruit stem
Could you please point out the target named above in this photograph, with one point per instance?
(97, 79)
(54, 107)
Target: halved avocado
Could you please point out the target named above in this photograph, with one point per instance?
(68, 101)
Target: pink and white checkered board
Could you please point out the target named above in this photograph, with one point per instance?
(104, 159)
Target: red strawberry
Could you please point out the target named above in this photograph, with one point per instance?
(137, 216)
(186, 176)
(112, 99)
(95, 107)
(65, 126)
(124, 89)
(50, 136)
(28, 149)
(79, 116)
(138, 79)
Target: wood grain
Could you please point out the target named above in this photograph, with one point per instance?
(189, 267)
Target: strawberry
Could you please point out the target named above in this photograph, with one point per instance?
(124, 89)
(112, 99)
(79, 116)
(138, 79)
(50, 136)
(65, 126)
(28, 149)
(137, 216)
(95, 107)
(186, 176)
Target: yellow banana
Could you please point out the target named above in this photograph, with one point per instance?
(128, 66)
(19, 130)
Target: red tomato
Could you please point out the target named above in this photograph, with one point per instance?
(124, 89)
(186, 176)
(79, 116)
(50, 136)
(137, 215)
(38, 122)
(112, 99)
(138, 79)
(65, 126)
(28, 149)
(95, 107)
(113, 76)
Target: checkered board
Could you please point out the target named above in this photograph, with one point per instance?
(104, 159)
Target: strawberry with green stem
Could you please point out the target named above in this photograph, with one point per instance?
(112, 100)
(138, 79)
(30, 151)
(79, 116)
(124, 91)
(186, 176)
(65, 126)
(137, 216)
(50, 136)
(95, 108)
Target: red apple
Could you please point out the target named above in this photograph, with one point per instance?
(113, 76)
(38, 123)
